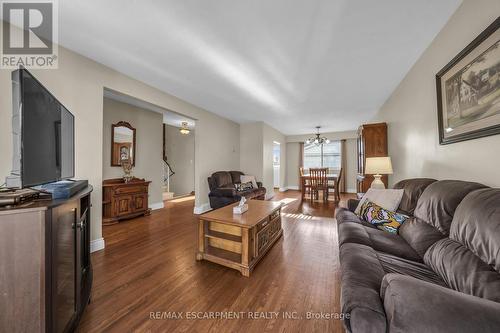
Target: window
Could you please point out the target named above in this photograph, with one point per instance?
(276, 154)
(323, 156)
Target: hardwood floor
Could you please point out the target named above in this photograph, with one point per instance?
(149, 266)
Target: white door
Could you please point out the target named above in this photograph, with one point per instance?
(276, 163)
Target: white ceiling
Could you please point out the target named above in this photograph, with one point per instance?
(293, 64)
(175, 119)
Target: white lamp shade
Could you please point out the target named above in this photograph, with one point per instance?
(378, 166)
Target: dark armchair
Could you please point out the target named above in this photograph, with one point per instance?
(223, 190)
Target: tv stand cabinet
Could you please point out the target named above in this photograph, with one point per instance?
(45, 268)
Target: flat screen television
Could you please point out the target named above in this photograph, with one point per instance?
(43, 134)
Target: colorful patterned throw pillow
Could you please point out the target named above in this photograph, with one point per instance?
(240, 187)
(382, 218)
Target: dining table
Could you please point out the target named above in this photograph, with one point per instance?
(330, 178)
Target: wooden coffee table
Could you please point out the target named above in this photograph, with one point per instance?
(239, 241)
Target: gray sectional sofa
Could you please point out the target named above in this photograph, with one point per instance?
(440, 273)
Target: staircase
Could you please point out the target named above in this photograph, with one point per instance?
(167, 173)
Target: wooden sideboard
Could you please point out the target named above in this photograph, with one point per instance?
(123, 200)
(372, 142)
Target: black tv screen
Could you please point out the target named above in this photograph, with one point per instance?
(46, 135)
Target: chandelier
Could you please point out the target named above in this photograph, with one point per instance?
(318, 139)
(184, 129)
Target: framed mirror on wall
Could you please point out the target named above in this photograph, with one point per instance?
(122, 143)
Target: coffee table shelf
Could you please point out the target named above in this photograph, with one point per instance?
(239, 241)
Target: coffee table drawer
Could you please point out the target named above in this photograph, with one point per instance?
(267, 235)
(268, 220)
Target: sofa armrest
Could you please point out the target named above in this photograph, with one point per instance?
(352, 204)
(412, 305)
(224, 192)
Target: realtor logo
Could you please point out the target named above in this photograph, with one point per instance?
(29, 34)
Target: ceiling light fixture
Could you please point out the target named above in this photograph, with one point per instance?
(184, 128)
(318, 139)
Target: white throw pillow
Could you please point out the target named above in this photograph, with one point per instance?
(247, 178)
(387, 199)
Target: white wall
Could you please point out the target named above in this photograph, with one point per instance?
(256, 143)
(180, 154)
(148, 160)
(252, 150)
(79, 83)
(270, 136)
(411, 110)
(292, 165)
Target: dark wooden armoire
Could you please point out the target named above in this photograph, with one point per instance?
(372, 142)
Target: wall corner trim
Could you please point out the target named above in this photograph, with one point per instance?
(156, 205)
(97, 245)
(203, 208)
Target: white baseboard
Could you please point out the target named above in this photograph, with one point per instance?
(293, 187)
(283, 189)
(157, 205)
(97, 245)
(167, 195)
(203, 208)
(269, 196)
(351, 190)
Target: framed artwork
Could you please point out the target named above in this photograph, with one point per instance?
(468, 90)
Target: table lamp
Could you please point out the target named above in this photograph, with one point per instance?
(378, 166)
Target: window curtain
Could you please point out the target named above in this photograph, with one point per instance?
(301, 154)
(301, 162)
(343, 165)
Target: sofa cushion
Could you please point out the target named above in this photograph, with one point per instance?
(222, 178)
(394, 264)
(470, 259)
(236, 176)
(413, 189)
(476, 225)
(419, 235)
(249, 194)
(352, 204)
(360, 283)
(363, 269)
(259, 191)
(463, 270)
(376, 239)
(226, 191)
(252, 193)
(439, 200)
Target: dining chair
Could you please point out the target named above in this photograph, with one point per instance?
(335, 185)
(318, 179)
(304, 183)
